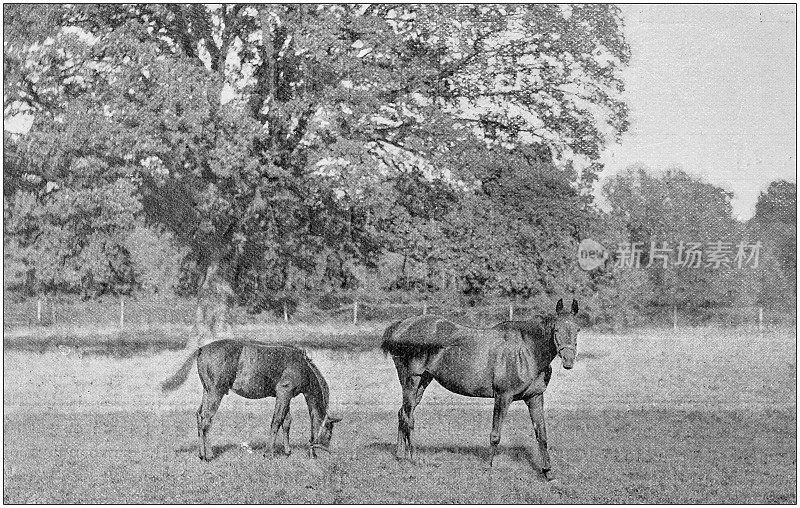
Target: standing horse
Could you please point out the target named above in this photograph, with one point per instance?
(508, 362)
(255, 371)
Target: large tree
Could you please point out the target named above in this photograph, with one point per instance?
(268, 138)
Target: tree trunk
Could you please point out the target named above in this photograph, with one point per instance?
(212, 313)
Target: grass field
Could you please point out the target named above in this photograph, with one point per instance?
(697, 415)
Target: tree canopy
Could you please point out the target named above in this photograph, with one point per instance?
(680, 209)
(289, 144)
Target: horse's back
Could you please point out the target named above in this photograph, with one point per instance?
(420, 334)
(250, 369)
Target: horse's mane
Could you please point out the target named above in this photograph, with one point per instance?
(539, 323)
(539, 320)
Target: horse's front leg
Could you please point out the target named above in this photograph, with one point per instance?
(287, 423)
(282, 400)
(501, 403)
(536, 409)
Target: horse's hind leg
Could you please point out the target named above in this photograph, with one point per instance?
(413, 390)
(406, 421)
(205, 414)
(421, 382)
(536, 409)
(425, 380)
(401, 430)
(413, 387)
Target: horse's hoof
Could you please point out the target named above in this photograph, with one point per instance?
(406, 459)
(550, 477)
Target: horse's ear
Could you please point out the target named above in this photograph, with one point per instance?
(574, 306)
(559, 306)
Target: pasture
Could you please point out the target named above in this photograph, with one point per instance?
(701, 415)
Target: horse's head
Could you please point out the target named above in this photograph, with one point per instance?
(565, 333)
(323, 438)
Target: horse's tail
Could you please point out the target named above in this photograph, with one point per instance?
(388, 345)
(174, 381)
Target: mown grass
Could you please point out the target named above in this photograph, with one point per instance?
(699, 415)
(599, 456)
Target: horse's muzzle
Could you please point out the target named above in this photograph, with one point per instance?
(567, 358)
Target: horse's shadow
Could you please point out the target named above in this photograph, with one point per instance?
(593, 355)
(221, 449)
(516, 453)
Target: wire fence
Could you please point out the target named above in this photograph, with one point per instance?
(128, 312)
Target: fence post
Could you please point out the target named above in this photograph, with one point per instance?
(424, 307)
(674, 317)
(760, 318)
(510, 311)
(39, 310)
(285, 312)
(355, 312)
(121, 312)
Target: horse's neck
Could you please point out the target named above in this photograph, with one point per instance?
(317, 410)
(316, 393)
(543, 345)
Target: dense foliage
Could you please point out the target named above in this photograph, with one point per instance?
(675, 207)
(322, 148)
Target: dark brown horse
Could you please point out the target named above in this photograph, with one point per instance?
(254, 370)
(508, 362)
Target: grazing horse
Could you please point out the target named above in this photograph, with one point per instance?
(254, 371)
(509, 361)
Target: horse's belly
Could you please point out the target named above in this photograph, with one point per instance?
(251, 391)
(252, 383)
(462, 371)
(461, 388)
